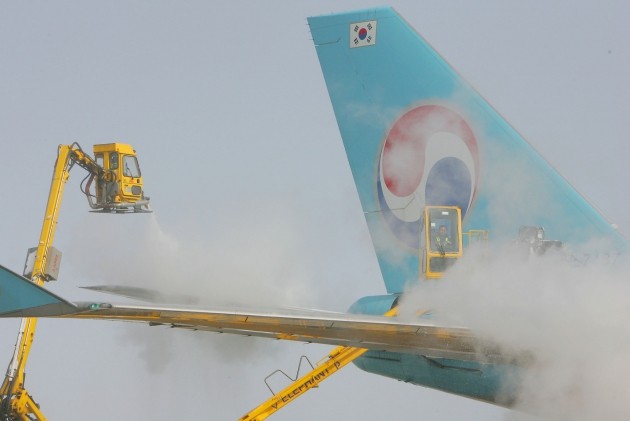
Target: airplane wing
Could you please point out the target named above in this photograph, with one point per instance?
(415, 336)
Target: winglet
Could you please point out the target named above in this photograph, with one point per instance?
(19, 297)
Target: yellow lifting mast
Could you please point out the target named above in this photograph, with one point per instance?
(118, 189)
(335, 361)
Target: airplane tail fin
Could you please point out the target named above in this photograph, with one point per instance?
(417, 134)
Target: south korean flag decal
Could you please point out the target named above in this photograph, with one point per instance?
(362, 34)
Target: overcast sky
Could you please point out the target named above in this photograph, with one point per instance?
(227, 108)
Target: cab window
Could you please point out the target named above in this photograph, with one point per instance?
(444, 231)
(130, 166)
(113, 161)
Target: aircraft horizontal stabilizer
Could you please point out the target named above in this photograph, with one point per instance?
(360, 331)
(19, 297)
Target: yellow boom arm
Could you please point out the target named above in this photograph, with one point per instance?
(336, 360)
(15, 402)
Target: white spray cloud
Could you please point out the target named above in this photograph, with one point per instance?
(574, 319)
(227, 262)
(236, 259)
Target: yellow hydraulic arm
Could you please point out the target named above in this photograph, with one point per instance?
(338, 358)
(15, 402)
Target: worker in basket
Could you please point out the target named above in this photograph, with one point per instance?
(442, 241)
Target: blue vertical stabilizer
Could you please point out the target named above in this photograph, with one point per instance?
(417, 134)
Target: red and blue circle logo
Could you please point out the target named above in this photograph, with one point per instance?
(362, 33)
(429, 157)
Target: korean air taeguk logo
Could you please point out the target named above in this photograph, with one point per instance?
(429, 157)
